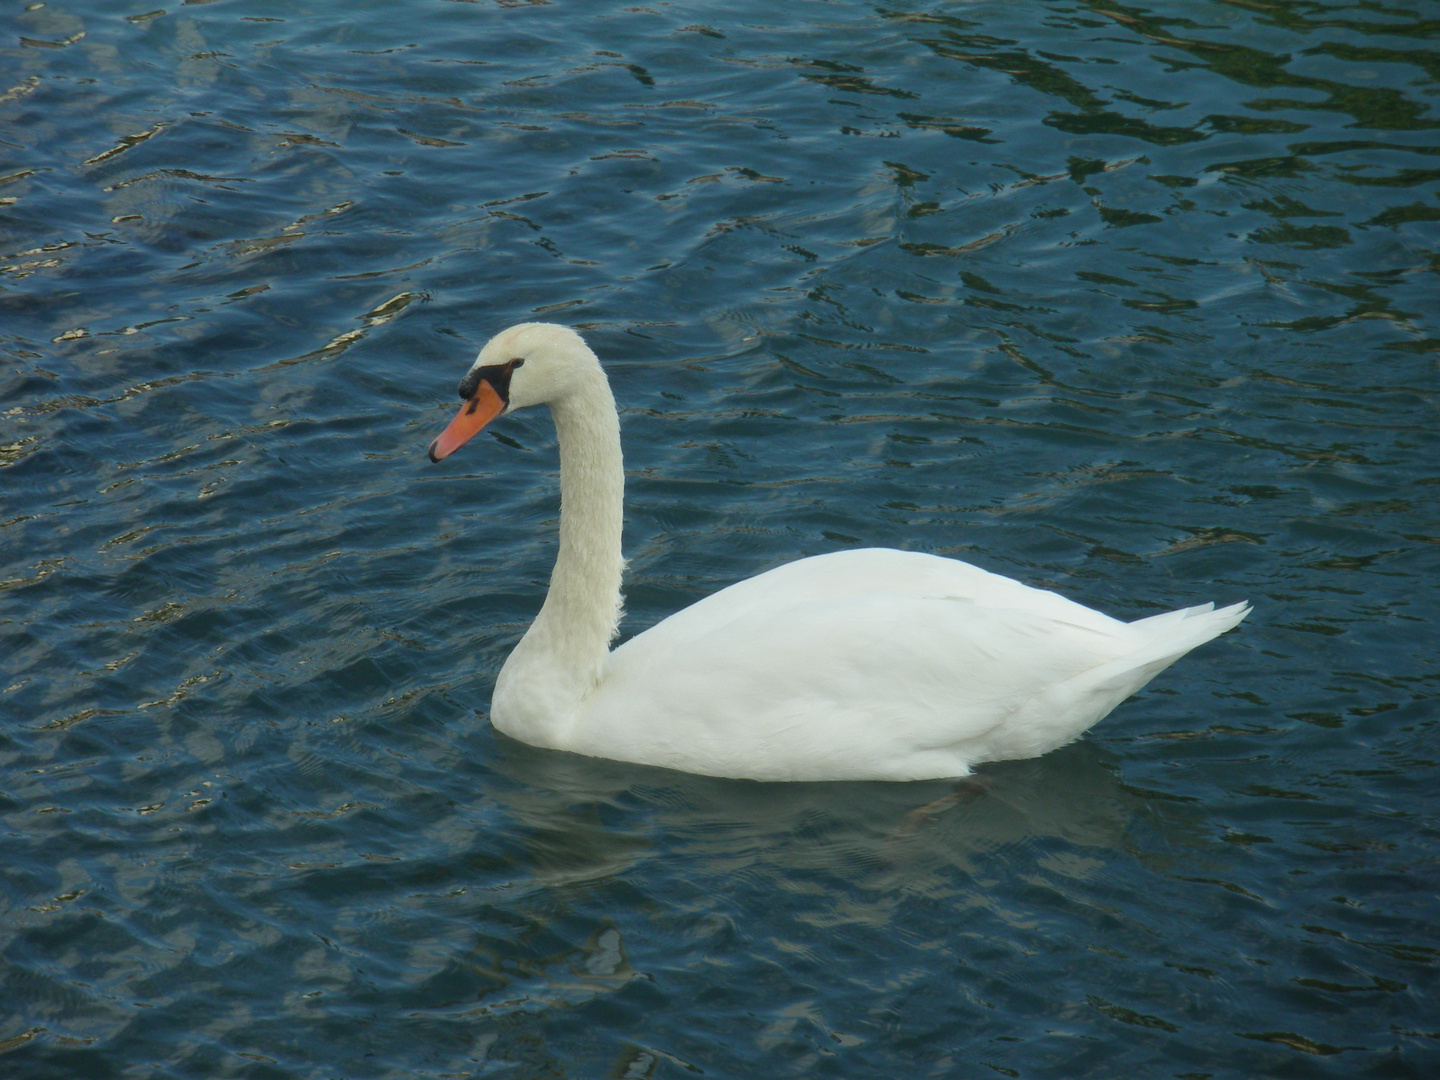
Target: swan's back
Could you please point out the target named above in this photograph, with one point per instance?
(873, 664)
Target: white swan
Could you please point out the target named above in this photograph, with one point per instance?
(861, 665)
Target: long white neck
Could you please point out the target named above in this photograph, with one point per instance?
(563, 655)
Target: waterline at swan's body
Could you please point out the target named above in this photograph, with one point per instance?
(869, 664)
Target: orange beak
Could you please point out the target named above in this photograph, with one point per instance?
(473, 415)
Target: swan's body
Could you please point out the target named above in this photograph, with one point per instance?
(873, 664)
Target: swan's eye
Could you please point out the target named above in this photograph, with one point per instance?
(497, 375)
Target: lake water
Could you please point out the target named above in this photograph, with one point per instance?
(1136, 302)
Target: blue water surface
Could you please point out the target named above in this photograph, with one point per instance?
(1137, 301)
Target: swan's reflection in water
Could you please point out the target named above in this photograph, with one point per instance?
(633, 886)
(605, 807)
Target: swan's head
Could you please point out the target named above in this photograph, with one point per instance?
(528, 364)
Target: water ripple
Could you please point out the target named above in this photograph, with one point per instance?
(1133, 302)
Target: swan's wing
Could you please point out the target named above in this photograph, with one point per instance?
(877, 684)
(868, 571)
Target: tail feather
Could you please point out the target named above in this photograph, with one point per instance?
(1086, 698)
(1224, 619)
(1171, 636)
